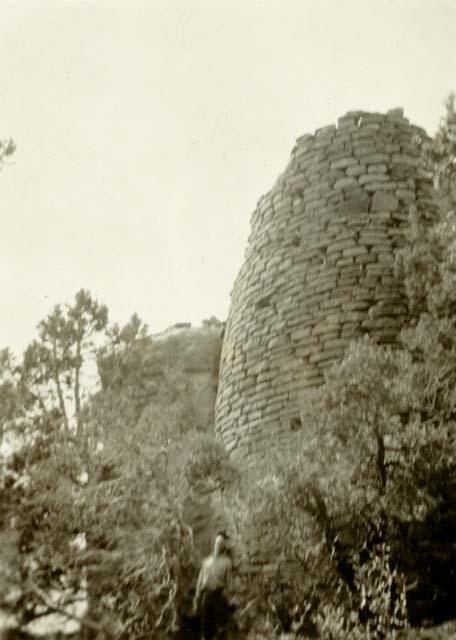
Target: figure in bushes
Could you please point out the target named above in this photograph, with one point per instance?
(213, 590)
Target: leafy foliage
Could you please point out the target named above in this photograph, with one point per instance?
(7, 148)
(100, 508)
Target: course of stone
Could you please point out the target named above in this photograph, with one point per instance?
(318, 272)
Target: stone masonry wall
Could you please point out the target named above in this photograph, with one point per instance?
(318, 272)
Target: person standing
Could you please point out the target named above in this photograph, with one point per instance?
(213, 589)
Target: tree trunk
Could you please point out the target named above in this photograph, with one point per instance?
(381, 466)
(59, 390)
(77, 391)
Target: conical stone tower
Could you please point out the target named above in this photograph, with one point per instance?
(318, 272)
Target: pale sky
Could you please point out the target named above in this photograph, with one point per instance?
(147, 131)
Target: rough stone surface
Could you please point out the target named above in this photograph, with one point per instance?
(318, 272)
(193, 353)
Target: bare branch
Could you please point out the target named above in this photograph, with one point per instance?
(90, 624)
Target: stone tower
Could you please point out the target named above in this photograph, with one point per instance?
(318, 272)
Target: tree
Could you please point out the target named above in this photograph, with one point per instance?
(53, 364)
(122, 363)
(126, 501)
(439, 157)
(86, 318)
(35, 403)
(7, 148)
(106, 513)
(8, 392)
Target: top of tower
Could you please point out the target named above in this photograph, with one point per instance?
(353, 120)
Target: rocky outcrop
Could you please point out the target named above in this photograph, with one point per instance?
(177, 367)
(318, 272)
(190, 356)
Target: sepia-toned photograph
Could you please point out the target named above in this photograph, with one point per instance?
(228, 328)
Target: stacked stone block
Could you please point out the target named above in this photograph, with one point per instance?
(318, 272)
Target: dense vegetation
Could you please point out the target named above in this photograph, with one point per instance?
(94, 497)
(360, 512)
